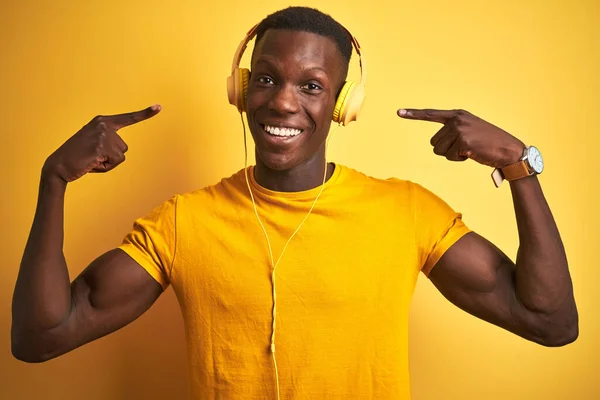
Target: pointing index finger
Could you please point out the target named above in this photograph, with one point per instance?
(441, 116)
(122, 120)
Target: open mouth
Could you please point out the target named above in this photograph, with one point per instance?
(281, 131)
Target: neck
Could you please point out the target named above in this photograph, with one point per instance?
(306, 176)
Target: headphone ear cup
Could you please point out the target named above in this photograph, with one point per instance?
(341, 101)
(244, 79)
(237, 88)
(349, 103)
(354, 104)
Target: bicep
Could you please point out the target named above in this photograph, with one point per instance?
(479, 278)
(110, 293)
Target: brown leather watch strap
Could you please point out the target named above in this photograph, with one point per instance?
(516, 171)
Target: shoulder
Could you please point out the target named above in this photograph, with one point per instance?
(387, 185)
(400, 190)
(352, 177)
(228, 188)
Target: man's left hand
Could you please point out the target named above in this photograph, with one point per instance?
(466, 136)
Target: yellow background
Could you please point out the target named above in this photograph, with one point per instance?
(528, 67)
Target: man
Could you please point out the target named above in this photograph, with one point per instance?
(294, 276)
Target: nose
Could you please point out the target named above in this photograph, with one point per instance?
(284, 100)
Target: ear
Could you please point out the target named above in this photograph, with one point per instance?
(339, 90)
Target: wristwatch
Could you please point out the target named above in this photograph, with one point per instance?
(531, 163)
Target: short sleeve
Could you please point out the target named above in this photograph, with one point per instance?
(437, 227)
(151, 242)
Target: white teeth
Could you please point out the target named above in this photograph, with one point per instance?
(282, 131)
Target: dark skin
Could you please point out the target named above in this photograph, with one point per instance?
(295, 79)
(533, 297)
(293, 84)
(51, 315)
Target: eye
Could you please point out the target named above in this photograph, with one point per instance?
(265, 80)
(312, 87)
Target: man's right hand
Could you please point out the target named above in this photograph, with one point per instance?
(50, 314)
(97, 147)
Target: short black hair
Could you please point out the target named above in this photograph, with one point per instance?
(308, 20)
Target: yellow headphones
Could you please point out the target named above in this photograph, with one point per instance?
(349, 102)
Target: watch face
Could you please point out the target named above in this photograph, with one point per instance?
(535, 159)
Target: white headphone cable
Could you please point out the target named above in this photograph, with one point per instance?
(273, 263)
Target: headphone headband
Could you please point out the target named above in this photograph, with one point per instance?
(237, 58)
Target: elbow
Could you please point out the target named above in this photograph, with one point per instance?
(27, 348)
(28, 357)
(22, 352)
(559, 332)
(562, 339)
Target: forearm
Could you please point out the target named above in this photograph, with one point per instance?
(543, 283)
(42, 296)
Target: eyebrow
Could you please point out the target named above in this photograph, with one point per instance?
(266, 60)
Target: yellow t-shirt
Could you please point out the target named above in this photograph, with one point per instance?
(344, 283)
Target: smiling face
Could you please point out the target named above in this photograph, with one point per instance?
(292, 90)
